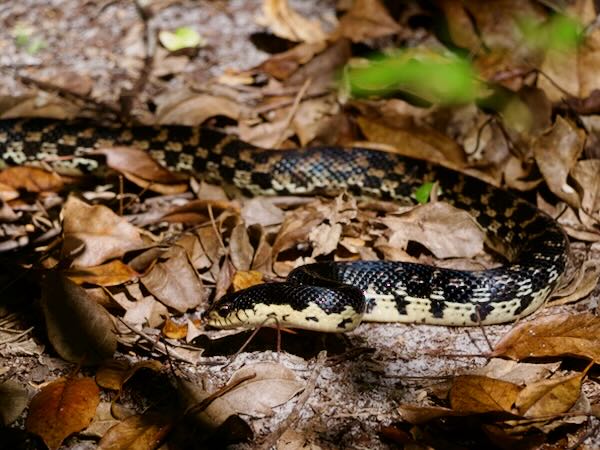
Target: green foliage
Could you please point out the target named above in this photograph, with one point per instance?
(183, 37)
(429, 76)
(423, 192)
(558, 32)
(25, 39)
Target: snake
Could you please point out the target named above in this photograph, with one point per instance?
(331, 296)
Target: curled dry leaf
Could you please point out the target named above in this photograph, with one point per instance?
(422, 414)
(144, 431)
(557, 335)
(517, 372)
(13, 400)
(556, 153)
(282, 65)
(284, 22)
(443, 229)
(32, 179)
(192, 109)
(63, 407)
(367, 19)
(112, 273)
(240, 248)
(174, 330)
(478, 394)
(115, 373)
(581, 286)
(79, 329)
(138, 163)
(260, 210)
(415, 142)
(245, 279)
(549, 397)
(104, 234)
(174, 281)
(272, 385)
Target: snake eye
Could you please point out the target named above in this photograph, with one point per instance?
(224, 310)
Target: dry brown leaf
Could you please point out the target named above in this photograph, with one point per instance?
(460, 26)
(586, 174)
(79, 329)
(199, 211)
(325, 238)
(556, 153)
(114, 373)
(284, 22)
(557, 335)
(549, 397)
(13, 400)
(112, 273)
(38, 104)
(516, 372)
(159, 188)
(367, 19)
(245, 279)
(63, 407)
(174, 330)
(414, 141)
(282, 65)
(581, 286)
(174, 281)
(422, 414)
(444, 230)
(139, 164)
(104, 234)
(478, 394)
(272, 385)
(32, 179)
(192, 109)
(262, 211)
(240, 249)
(102, 421)
(146, 310)
(139, 432)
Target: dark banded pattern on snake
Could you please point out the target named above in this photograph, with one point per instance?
(313, 297)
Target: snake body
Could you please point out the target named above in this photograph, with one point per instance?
(334, 296)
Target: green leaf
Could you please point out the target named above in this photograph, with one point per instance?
(25, 39)
(433, 77)
(183, 37)
(423, 192)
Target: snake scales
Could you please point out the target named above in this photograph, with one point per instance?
(331, 296)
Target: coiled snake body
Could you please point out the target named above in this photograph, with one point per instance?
(332, 296)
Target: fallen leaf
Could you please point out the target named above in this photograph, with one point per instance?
(182, 37)
(104, 234)
(556, 153)
(282, 65)
(79, 329)
(138, 163)
(286, 23)
(549, 397)
(112, 273)
(102, 421)
(581, 286)
(415, 141)
(174, 330)
(367, 19)
(443, 229)
(557, 335)
(189, 108)
(32, 179)
(245, 279)
(145, 431)
(478, 394)
(422, 414)
(517, 372)
(61, 408)
(272, 385)
(262, 211)
(325, 238)
(115, 373)
(174, 281)
(240, 248)
(13, 400)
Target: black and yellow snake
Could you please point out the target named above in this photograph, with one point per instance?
(334, 296)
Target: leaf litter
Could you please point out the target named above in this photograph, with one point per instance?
(156, 280)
